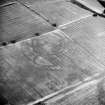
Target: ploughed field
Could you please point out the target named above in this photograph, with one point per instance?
(51, 50)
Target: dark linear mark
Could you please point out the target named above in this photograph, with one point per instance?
(35, 12)
(7, 4)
